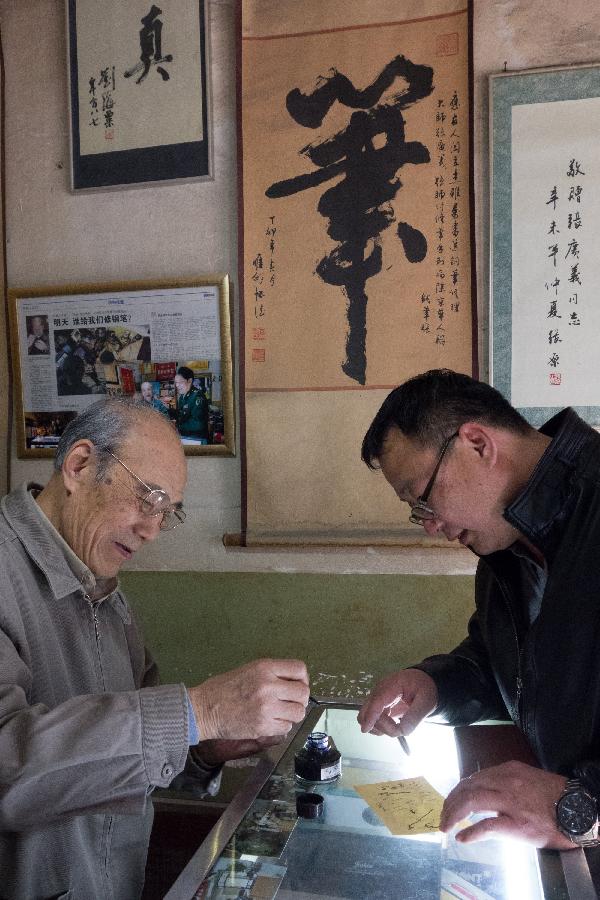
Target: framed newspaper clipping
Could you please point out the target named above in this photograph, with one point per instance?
(164, 343)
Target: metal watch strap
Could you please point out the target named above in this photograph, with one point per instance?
(574, 784)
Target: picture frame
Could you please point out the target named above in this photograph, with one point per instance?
(73, 344)
(139, 93)
(544, 213)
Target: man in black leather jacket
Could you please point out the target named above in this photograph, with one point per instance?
(527, 502)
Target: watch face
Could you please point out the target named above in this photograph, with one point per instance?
(576, 812)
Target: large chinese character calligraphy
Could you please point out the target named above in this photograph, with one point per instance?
(150, 47)
(138, 91)
(358, 207)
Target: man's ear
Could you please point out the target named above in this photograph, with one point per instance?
(79, 466)
(481, 440)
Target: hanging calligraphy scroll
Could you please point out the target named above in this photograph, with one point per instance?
(545, 218)
(355, 249)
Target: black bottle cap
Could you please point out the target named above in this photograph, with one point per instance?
(309, 806)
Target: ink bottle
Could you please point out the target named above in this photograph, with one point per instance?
(319, 760)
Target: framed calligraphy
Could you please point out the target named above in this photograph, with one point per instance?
(138, 92)
(167, 344)
(545, 216)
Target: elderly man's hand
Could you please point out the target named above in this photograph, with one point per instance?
(398, 702)
(522, 797)
(260, 699)
(215, 753)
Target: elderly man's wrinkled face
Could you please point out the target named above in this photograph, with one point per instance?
(146, 390)
(38, 326)
(106, 525)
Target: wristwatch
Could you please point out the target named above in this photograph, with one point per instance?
(577, 814)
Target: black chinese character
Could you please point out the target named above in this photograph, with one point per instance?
(359, 205)
(574, 169)
(150, 47)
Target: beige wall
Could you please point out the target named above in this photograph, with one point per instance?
(56, 237)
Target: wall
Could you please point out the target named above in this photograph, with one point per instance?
(348, 630)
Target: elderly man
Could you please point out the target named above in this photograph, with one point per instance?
(148, 396)
(86, 732)
(527, 502)
(37, 336)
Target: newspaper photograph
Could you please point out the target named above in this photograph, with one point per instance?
(161, 346)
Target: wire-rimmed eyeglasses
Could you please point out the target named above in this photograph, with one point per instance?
(420, 512)
(156, 502)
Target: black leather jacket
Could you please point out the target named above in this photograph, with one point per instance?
(544, 676)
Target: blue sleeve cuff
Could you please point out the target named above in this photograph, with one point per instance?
(194, 734)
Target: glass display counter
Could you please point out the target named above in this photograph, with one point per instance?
(261, 848)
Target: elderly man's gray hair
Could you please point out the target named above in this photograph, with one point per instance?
(106, 424)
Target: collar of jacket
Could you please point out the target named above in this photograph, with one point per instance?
(542, 505)
(43, 550)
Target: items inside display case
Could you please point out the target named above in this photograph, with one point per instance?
(348, 851)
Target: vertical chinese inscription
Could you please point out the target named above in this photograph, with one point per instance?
(101, 92)
(564, 311)
(264, 275)
(446, 297)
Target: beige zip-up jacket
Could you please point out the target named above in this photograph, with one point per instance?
(86, 732)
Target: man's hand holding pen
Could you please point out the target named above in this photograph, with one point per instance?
(398, 703)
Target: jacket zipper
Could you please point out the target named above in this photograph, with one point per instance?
(519, 679)
(106, 834)
(94, 608)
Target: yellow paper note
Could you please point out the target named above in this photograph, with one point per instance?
(410, 806)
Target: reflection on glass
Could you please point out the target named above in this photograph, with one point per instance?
(348, 852)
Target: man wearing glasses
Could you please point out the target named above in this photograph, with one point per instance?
(527, 502)
(86, 731)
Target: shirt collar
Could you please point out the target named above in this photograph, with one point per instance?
(542, 504)
(95, 588)
(48, 549)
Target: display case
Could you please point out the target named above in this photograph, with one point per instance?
(262, 848)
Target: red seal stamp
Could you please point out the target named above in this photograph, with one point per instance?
(446, 44)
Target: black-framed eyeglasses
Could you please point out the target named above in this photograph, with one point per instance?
(156, 502)
(420, 512)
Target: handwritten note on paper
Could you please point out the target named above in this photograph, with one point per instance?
(410, 806)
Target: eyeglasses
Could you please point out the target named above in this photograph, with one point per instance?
(156, 502)
(420, 512)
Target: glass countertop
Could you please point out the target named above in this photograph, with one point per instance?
(348, 853)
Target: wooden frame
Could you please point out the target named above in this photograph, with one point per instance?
(73, 344)
(138, 92)
(544, 210)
